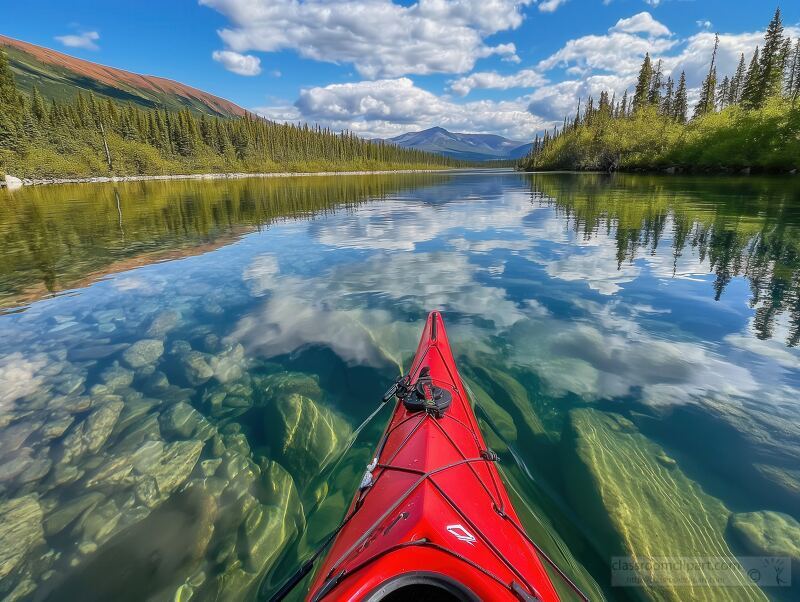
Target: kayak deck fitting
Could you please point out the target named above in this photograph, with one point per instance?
(432, 519)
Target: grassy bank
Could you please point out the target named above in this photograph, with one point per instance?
(767, 139)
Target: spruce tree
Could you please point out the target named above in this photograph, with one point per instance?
(654, 96)
(11, 108)
(771, 63)
(793, 81)
(786, 64)
(752, 83)
(706, 103)
(735, 89)
(623, 109)
(38, 107)
(722, 92)
(681, 105)
(643, 83)
(666, 104)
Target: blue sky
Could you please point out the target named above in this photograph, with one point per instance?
(382, 68)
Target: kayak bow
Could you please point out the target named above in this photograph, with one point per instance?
(432, 519)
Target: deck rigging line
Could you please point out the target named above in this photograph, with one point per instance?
(335, 576)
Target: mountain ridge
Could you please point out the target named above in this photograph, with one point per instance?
(57, 75)
(466, 146)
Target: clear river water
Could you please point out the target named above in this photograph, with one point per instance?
(183, 366)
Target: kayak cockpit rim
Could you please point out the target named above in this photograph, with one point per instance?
(419, 584)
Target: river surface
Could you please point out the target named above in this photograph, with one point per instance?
(184, 364)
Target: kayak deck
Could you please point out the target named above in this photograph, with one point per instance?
(436, 517)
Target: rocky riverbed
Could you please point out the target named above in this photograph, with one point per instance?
(103, 441)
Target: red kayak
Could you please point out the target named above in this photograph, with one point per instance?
(432, 519)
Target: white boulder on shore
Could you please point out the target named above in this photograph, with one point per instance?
(12, 182)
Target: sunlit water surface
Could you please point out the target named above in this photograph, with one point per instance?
(183, 365)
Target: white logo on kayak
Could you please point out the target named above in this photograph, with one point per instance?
(461, 533)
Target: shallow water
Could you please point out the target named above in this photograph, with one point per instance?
(184, 364)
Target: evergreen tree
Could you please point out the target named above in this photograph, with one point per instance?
(771, 63)
(706, 103)
(654, 96)
(643, 83)
(11, 109)
(786, 64)
(38, 108)
(751, 87)
(666, 105)
(793, 83)
(723, 92)
(735, 89)
(681, 104)
(623, 109)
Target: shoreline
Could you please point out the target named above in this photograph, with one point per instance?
(12, 182)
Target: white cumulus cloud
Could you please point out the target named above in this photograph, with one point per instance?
(379, 37)
(642, 23)
(86, 40)
(240, 64)
(549, 6)
(525, 78)
(389, 107)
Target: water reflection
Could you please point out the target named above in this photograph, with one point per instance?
(54, 238)
(627, 340)
(731, 228)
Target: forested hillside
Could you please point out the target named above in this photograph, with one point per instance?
(61, 76)
(89, 136)
(746, 120)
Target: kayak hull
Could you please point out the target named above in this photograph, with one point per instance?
(432, 513)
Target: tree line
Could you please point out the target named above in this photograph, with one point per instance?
(88, 136)
(749, 118)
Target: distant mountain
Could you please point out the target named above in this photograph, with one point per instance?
(61, 76)
(470, 147)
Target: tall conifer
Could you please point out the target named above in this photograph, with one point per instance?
(643, 83)
(771, 63)
(681, 106)
(751, 88)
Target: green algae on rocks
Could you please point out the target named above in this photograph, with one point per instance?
(645, 510)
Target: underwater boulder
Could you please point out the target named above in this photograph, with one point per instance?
(308, 435)
(143, 353)
(638, 507)
(20, 530)
(767, 533)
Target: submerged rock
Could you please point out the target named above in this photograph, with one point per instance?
(12, 437)
(639, 507)
(20, 530)
(67, 511)
(283, 384)
(100, 423)
(183, 421)
(500, 419)
(767, 533)
(508, 393)
(56, 426)
(170, 465)
(196, 368)
(307, 435)
(143, 353)
(165, 321)
(116, 377)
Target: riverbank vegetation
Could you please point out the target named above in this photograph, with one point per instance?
(746, 120)
(87, 136)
